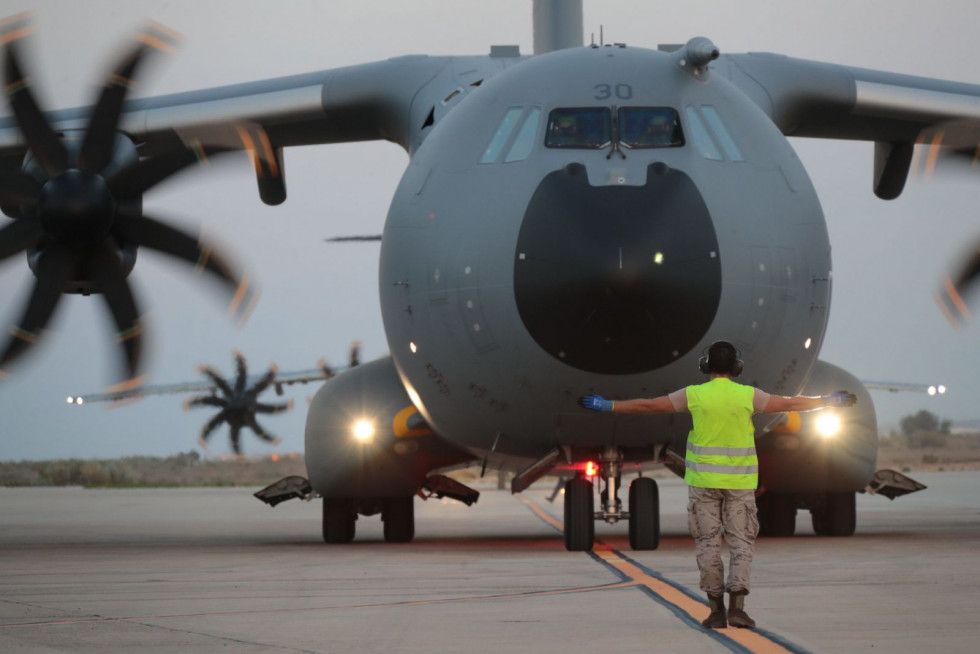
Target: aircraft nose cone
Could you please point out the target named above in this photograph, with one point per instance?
(617, 280)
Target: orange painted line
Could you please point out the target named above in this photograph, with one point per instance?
(751, 640)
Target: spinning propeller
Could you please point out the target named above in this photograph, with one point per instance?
(238, 405)
(77, 203)
(954, 143)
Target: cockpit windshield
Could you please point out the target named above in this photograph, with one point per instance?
(649, 127)
(593, 128)
(587, 127)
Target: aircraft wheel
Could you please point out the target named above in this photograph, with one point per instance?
(644, 514)
(338, 520)
(777, 514)
(579, 519)
(838, 517)
(398, 515)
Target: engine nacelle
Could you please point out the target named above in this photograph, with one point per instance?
(824, 451)
(365, 438)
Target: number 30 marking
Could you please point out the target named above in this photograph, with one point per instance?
(606, 91)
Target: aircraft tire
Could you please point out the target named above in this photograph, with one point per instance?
(777, 515)
(338, 520)
(644, 521)
(398, 515)
(838, 517)
(579, 519)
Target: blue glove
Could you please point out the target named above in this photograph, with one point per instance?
(595, 402)
(839, 399)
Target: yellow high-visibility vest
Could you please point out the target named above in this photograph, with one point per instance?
(721, 447)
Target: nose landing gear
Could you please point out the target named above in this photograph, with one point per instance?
(643, 514)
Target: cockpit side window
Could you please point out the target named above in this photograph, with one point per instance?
(724, 136)
(501, 135)
(699, 133)
(650, 127)
(580, 127)
(526, 137)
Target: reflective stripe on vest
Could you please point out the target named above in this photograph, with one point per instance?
(721, 447)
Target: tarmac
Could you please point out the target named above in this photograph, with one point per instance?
(204, 570)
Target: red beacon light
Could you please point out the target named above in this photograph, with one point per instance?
(591, 469)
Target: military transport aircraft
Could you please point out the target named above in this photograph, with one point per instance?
(590, 217)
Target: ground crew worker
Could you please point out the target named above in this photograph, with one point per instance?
(722, 470)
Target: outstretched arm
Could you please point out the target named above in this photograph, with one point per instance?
(780, 404)
(676, 401)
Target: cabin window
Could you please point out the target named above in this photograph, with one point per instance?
(526, 137)
(699, 134)
(501, 135)
(717, 126)
(587, 128)
(650, 127)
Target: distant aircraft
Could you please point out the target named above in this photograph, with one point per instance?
(237, 398)
(542, 243)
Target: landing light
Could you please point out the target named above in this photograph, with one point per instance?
(71, 400)
(590, 469)
(828, 425)
(363, 430)
(658, 258)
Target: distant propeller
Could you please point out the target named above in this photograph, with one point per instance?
(238, 404)
(78, 203)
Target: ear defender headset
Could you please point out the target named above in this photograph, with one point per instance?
(723, 350)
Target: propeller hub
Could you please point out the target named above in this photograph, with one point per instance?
(76, 207)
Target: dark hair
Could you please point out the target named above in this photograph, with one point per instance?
(722, 358)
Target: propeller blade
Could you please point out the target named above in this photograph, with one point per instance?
(950, 298)
(156, 235)
(236, 444)
(105, 270)
(253, 424)
(19, 235)
(138, 178)
(54, 269)
(42, 141)
(328, 372)
(218, 380)
(16, 188)
(273, 408)
(100, 137)
(212, 424)
(205, 400)
(264, 382)
(242, 375)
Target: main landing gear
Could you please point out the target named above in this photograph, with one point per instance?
(580, 514)
(833, 514)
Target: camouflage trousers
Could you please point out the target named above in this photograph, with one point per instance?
(714, 515)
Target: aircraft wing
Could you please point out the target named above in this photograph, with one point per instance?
(808, 98)
(393, 100)
(204, 386)
(895, 387)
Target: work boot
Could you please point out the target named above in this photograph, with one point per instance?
(737, 617)
(717, 618)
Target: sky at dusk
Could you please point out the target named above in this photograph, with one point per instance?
(889, 257)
